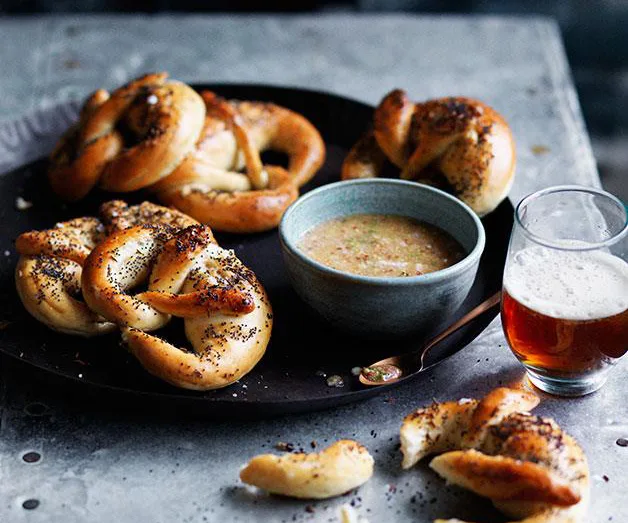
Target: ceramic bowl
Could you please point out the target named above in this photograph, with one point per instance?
(382, 307)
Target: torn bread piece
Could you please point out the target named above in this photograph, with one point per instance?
(339, 468)
(525, 464)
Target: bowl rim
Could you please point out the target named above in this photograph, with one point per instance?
(289, 246)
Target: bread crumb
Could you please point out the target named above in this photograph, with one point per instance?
(21, 204)
(349, 515)
(539, 150)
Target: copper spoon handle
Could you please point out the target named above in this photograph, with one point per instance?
(472, 314)
(404, 363)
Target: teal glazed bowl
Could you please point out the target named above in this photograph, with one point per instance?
(381, 307)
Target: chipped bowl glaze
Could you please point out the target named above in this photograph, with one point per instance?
(382, 307)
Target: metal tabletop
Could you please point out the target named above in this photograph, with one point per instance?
(101, 464)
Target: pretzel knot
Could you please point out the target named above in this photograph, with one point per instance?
(526, 465)
(190, 151)
(208, 186)
(226, 314)
(127, 140)
(459, 144)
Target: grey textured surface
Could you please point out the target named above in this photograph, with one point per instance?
(103, 465)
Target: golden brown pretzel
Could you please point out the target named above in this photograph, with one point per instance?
(457, 143)
(339, 468)
(48, 276)
(164, 120)
(227, 315)
(525, 464)
(227, 200)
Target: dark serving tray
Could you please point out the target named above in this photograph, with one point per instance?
(303, 348)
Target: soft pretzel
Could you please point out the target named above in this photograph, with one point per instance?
(205, 188)
(128, 140)
(339, 468)
(227, 315)
(525, 464)
(48, 276)
(460, 144)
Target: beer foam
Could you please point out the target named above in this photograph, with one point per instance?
(569, 285)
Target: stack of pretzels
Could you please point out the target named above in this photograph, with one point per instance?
(188, 149)
(78, 278)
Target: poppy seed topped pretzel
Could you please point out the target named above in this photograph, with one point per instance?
(525, 464)
(457, 143)
(227, 315)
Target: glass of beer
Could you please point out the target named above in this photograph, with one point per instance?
(565, 291)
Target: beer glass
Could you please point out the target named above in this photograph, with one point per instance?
(565, 289)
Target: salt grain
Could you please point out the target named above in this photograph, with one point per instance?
(335, 381)
(21, 204)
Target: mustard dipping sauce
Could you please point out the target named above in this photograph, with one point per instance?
(381, 245)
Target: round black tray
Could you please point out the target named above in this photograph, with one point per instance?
(304, 349)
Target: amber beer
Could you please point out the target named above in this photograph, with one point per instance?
(566, 312)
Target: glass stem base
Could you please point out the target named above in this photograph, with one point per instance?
(561, 386)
